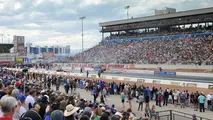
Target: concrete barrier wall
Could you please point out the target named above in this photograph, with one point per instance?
(131, 79)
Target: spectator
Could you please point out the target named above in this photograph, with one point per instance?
(201, 99)
(209, 101)
(30, 100)
(140, 101)
(57, 115)
(8, 107)
(70, 112)
(21, 108)
(31, 115)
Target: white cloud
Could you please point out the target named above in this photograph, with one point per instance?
(91, 2)
(17, 6)
(32, 25)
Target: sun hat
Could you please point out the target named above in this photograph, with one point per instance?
(70, 109)
(118, 114)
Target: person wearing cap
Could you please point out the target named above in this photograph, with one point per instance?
(194, 117)
(30, 115)
(201, 100)
(117, 116)
(21, 107)
(57, 115)
(8, 107)
(70, 112)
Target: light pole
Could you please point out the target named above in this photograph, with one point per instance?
(127, 11)
(2, 37)
(82, 25)
(8, 39)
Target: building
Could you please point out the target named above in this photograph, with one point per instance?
(166, 21)
(57, 50)
(19, 45)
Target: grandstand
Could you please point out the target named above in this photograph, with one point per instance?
(5, 48)
(165, 38)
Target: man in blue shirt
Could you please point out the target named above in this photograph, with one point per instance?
(201, 100)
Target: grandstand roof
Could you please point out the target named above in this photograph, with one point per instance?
(157, 17)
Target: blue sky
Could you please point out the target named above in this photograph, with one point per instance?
(44, 22)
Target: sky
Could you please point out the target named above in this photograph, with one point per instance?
(56, 22)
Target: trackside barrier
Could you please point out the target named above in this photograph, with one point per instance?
(176, 115)
(131, 79)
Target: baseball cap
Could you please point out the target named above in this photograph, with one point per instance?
(21, 97)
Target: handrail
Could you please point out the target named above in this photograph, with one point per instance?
(175, 112)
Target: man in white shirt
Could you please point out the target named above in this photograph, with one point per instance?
(209, 96)
(30, 100)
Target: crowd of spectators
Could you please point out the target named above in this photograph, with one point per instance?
(29, 96)
(191, 50)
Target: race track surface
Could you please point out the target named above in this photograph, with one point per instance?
(163, 77)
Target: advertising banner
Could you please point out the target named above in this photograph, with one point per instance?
(210, 86)
(156, 81)
(164, 73)
(191, 85)
(176, 83)
(132, 66)
(115, 78)
(115, 66)
(19, 60)
(48, 54)
(6, 59)
(126, 79)
(141, 80)
(116, 72)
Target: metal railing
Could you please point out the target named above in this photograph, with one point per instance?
(176, 115)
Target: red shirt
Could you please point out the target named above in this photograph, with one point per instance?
(5, 118)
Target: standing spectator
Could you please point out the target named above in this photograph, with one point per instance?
(140, 102)
(123, 99)
(187, 98)
(147, 99)
(175, 94)
(182, 100)
(165, 97)
(130, 99)
(208, 97)
(95, 94)
(87, 73)
(8, 107)
(159, 99)
(191, 99)
(196, 101)
(201, 99)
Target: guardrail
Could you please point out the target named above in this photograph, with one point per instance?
(177, 115)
